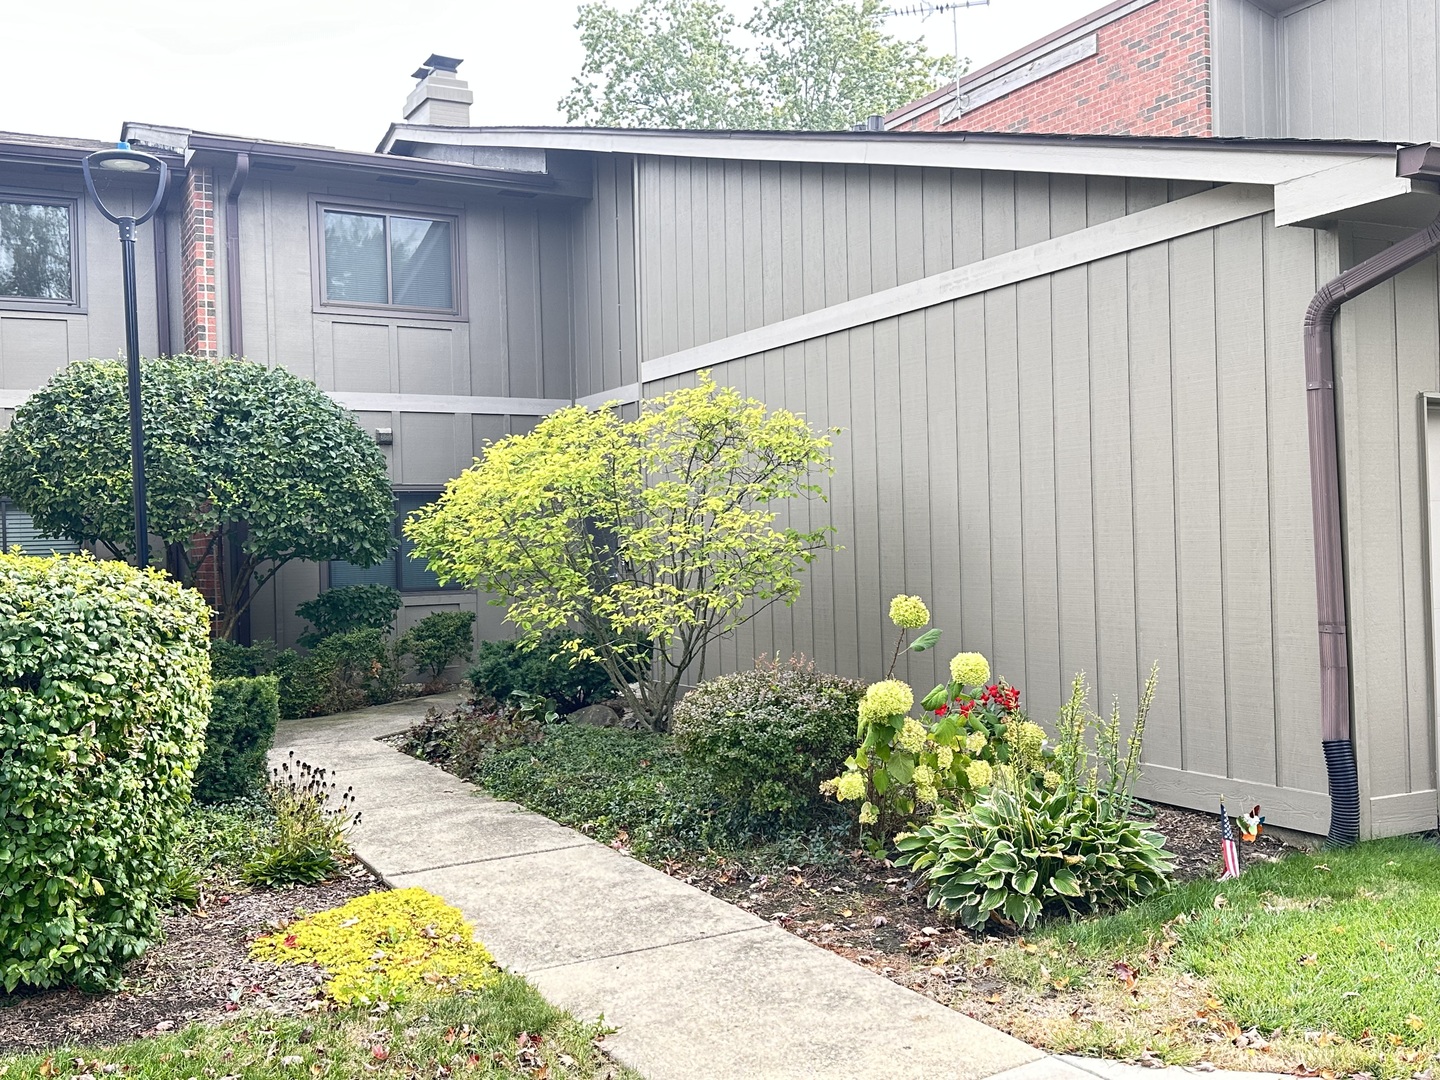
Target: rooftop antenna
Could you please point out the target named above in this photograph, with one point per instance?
(925, 9)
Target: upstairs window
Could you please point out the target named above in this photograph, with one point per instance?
(18, 535)
(374, 258)
(37, 250)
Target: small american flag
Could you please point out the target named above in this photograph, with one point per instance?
(1229, 850)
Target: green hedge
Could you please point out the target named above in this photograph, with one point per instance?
(104, 694)
(504, 667)
(243, 714)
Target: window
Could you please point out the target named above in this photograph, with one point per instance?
(374, 258)
(399, 570)
(18, 535)
(37, 250)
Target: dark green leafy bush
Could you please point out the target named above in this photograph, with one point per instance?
(439, 639)
(461, 738)
(345, 671)
(635, 787)
(104, 692)
(343, 610)
(1017, 854)
(771, 735)
(312, 817)
(243, 713)
(506, 667)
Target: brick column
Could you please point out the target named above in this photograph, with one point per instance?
(197, 244)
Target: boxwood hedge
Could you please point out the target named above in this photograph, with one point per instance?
(104, 693)
(243, 713)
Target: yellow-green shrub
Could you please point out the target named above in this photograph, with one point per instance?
(104, 693)
(383, 946)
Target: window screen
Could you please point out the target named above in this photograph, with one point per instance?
(18, 536)
(35, 251)
(395, 260)
(399, 570)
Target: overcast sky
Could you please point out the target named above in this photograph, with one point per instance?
(337, 71)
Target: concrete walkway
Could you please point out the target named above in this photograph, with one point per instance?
(696, 987)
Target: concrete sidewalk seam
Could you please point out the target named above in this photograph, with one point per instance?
(491, 858)
(651, 948)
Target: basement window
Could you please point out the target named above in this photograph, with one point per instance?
(19, 536)
(388, 259)
(37, 251)
(399, 570)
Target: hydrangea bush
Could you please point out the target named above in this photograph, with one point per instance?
(970, 727)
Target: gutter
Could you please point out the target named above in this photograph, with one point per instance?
(232, 254)
(1339, 747)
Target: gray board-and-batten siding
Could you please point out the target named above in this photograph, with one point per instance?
(1088, 469)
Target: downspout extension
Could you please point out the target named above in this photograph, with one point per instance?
(1325, 502)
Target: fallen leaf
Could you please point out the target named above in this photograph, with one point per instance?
(1414, 1023)
(1220, 901)
(1125, 973)
(380, 1053)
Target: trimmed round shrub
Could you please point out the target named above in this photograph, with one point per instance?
(505, 667)
(771, 735)
(347, 609)
(104, 694)
(243, 713)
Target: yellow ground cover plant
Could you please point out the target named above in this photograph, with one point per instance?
(385, 946)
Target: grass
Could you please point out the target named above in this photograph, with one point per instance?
(634, 788)
(1331, 958)
(502, 1032)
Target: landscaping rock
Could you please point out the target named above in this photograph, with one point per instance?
(595, 716)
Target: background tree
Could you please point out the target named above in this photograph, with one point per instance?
(233, 449)
(653, 536)
(816, 64)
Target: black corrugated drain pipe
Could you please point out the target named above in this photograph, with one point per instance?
(1325, 500)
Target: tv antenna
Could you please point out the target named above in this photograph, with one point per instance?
(925, 9)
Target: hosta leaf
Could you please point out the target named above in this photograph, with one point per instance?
(1024, 880)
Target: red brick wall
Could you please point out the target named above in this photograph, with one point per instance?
(1150, 75)
(197, 245)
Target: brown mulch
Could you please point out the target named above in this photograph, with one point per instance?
(874, 914)
(200, 971)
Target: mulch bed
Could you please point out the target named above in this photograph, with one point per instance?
(873, 914)
(200, 971)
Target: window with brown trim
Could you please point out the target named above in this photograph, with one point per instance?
(404, 260)
(38, 251)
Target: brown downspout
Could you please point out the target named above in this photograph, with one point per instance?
(160, 234)
(1325, 500)
(234, 313)
(232, 254)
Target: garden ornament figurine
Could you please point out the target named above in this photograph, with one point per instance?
(1251, 825)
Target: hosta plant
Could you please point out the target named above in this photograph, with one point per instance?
(1022, 850)
(970, 727)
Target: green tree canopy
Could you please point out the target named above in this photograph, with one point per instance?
(800, 64)
(651, 536)
(233, 449)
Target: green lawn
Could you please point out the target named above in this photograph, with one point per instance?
(505, 1031)
(1333, 956)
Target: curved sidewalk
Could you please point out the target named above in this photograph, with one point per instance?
(697, 988)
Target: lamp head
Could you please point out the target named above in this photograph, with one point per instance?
(126, 161)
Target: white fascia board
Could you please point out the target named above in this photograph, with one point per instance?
(445, 403)
(1218, 164)
(1204, 210)
(1330, 192)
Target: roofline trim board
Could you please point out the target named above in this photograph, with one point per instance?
(1194, 213)
(1216, 161)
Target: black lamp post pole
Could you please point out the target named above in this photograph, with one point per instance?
(132, 381)
(124, 160)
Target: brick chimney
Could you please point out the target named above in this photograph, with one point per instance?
(440, 96)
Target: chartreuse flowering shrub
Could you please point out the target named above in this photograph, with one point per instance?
(104, 694)
(385, 946)
(1067, 844)
(971, 729)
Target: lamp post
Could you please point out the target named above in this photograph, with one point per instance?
(125, 161)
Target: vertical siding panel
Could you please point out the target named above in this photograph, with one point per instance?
(772, 248)
(698, 280)
(627, 369)
(1153, 469)
(1424, 106)
(1110, 449)
(1290, 282)
(607, 366)
(1197, 505)
(557, 349)
(971, 407)
(836, 376)
(860, 344)
(1245, 502)
(522, 301)
(651, 260)
(792, 249)
(736, 285)
(1418, 344)
(667, 225)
